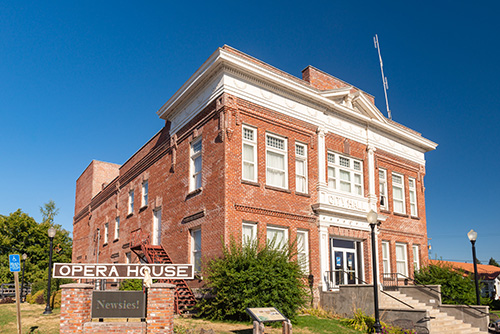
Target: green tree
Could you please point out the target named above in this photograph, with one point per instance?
(456, 286)
(20, 233)
(493, 262)
(253, 276)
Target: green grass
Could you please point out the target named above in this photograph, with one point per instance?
(321, 325)
(32, 319)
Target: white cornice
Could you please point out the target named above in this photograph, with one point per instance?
(222, 59)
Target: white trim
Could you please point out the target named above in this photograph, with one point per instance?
(386, 257)
(403, 260)
(303, 252)
(400, 186)
(130, 202)
(117, 228)
(301, 159)
(416, 257)
(270, 150)
(413, 191)
(106, 233)
(195, 250)
(156, 235)
(194, 182)
(382, 179)
(144, 193)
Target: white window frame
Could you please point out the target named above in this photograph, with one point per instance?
(195, 250)
(335, 169)
(386, 257)
(249, 226)
(283, 152)
(117, 228)
(252, 143)
(128, 257)
(281, 243)
(402, 262)
(145, 190)
(196, 175)
(382, 179)
(398, 186)
(301, 159)
(156, 228)
(412, 189)
(303, 252)
(106, 233)
(416, 257)
(130, 202)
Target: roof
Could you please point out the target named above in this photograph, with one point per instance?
(484, 271)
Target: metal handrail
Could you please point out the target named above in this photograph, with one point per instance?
(442, 294)
(385, 293)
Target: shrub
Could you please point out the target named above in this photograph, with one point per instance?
(38, 298)
(28, 298)
(56, 299)
(456, 286)
(363, 322)
(131, 285)
(253, 276)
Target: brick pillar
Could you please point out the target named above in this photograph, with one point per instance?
(76, 301)
(160, 312)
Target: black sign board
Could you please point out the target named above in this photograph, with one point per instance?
(122, 270)
(118, 304)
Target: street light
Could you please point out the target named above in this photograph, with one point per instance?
(24, 257)
(52, 233)
(372, 219)
(473, 237)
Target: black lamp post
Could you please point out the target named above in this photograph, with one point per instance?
(473, 237)
(24, 257)
(52, 234)
(372, 219)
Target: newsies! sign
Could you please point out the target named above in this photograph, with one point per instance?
(122, 271)
(118, 304)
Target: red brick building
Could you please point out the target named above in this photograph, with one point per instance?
(249, 151)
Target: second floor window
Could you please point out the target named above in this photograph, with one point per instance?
(398, 193)
(413, 197)
(301, 168)
(249, 156)
(382, 179)
(196, 249)
(130, 201)
(195, 164)
(117, 228)
(145, 189)
(276, 161)
(106, 233)
(345, 174)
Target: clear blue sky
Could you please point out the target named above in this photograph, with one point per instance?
(82, 80)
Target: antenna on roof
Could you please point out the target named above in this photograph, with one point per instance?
(384, 78)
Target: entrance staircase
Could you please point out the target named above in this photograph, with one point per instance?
(440, 322)
(141, 246)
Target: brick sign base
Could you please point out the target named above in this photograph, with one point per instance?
(76, 305)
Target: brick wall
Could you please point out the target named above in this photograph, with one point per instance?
(76, 302)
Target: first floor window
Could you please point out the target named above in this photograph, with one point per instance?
(249, 232)
(277, 236)
(196, 164)
(117, 228)
(401, 260)
(276, 161)
(416, 258)
(303, 250)
(249, 156)
(196, 249)
(398, 193)
(413, 196)
(386, 261)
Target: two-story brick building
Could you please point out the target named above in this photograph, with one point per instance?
(249, 151)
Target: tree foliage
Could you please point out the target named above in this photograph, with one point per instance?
(253, 276)
(493, 262)
(20, 233)
(457, 287)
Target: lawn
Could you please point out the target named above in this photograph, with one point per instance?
(33, 321)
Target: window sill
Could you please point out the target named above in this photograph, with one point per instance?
(385, 211)
(129, 215)
(415, 217)
(401, 214)
(194, 193)
(116, 240)
(278, 189)
(143, 208)
(104, 244)
(303, 194)
(250, 183)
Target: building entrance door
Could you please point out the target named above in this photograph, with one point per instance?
(345, 266)
(156, 240)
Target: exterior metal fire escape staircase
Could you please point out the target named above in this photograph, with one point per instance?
(141, 246)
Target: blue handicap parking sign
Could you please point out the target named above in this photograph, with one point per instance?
(15, 262)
